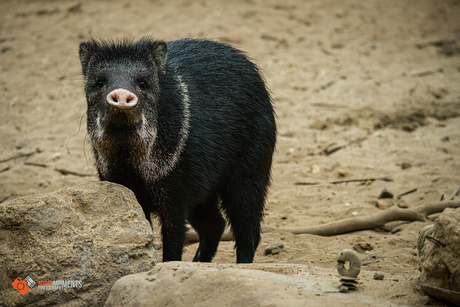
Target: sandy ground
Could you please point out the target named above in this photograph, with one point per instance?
(378, 78)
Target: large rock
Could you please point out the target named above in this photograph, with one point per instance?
(198, 284)
(94, 233)
(202, 285)
(440, 258)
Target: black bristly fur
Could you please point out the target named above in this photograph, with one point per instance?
(199, 142)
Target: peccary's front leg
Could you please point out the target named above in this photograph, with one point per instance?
(173, 231)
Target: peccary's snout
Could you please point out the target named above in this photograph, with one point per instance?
(122, 99)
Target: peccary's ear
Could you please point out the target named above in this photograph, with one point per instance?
(85, 55)
(159, 52)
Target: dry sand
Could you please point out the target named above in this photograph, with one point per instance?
(378, 78)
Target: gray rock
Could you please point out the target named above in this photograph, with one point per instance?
(439, 258)
(273, 249)
(385, 194)
(200, 284)
(427, 230)
(94, 233)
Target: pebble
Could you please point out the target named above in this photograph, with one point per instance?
(343, 289)
(445, 139)
(402, 204)
(315, 169)
(384, 204)
(273, 249)
(22, 142)
(405, 165)
(385, 194)
(378, 276)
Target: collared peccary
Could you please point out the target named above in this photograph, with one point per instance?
(189, 127)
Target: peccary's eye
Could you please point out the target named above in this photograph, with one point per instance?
(143, 85)
(99, 83)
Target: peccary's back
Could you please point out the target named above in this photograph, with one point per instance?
(232, 123)
(224, 87)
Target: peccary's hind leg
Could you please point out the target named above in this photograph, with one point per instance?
(208, 222)
(243, 201)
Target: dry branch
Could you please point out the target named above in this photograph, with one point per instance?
(19, 155)
(69, 172)
(385, 178)
(377, 220)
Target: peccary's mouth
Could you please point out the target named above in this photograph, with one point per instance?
(119, 119)
(122, 128)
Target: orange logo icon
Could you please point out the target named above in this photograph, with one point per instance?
(23, 286)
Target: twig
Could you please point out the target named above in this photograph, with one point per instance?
(408, 192)
(68, 172)
(5, 169)
(426, 72)
(329, 105)
(451, 197)
(345, 180)
(330, 150)
(7, 197)
(35, 164)
(436, 241)
(19, 155)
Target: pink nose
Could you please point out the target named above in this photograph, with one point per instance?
(122, 99)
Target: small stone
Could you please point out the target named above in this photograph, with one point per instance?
(22, 142)
(273, 249)
(384, 204)
(343, 289)
(361, 247)
(445, 139)
(385, 194)
(378, 276)
(337, 45)
(56, 156)
(402, 204)
(406, 165)
(315, 169)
